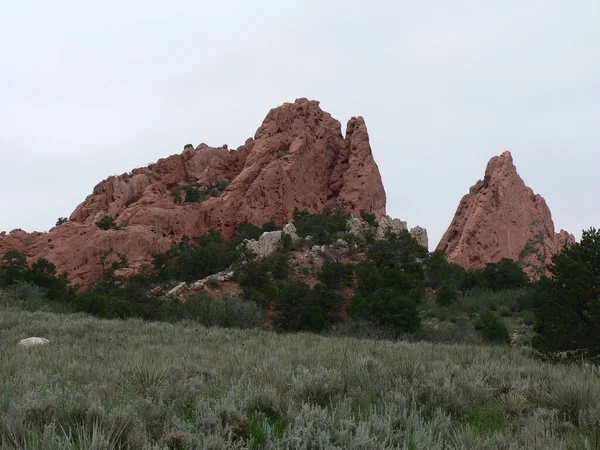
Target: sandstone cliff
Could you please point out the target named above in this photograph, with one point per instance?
(499, 218)
(297, 158)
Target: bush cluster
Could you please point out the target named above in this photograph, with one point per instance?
(323, 227)
(194, 195)
(109, 223)
(15, 271)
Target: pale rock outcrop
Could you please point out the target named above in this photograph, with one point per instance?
(33, 341)
(269, 241)
(499, 218)
(334, 251)
(181, 286)
(386, 225)
(219, 277)
(358, 227)
(420, 235)
(389, 225)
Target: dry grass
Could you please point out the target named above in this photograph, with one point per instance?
(128, 384)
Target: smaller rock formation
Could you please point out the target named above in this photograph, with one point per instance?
(389, 225)
(386, 225)
(32, 341)
(269, 241)
(420, 235)
(335, 251)
(499, 218)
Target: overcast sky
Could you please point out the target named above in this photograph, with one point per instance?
(92, 89)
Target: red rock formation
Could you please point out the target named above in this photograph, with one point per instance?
(298, 158)
(499, 218)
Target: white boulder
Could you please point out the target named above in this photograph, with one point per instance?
(31, 341)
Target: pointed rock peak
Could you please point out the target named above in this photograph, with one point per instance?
(355, 123)
(302, 116)
(499, 218)
(356, 129)
(500, 167)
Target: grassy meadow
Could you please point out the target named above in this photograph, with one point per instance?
(103, 384)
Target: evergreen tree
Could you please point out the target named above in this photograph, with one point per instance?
(567, 305)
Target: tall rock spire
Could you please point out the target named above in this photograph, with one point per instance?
(499, 218)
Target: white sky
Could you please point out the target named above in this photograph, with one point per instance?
(92, 89)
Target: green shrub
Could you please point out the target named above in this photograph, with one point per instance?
(24, 291)
(278, 263)
(293, 297)
(191, 260)
(248, 231)
(369, 278)
(329, 301)
(446, 295)
(212, 282)
(397, 249)
(335, 274)
(359, 307)
(324, 226)
(221, 185)
(505, 274)
(313, 319)
(369, 218)
(528, 318)
(226, 311)
(193, 195)
(107, 223)
(176, 192)
(439, 271)
(472, 279)
(40, 276)
(393, 308)
(493, 329)
(251, 231)
(396, 278)
(61, 220)
(13, 265)
(253, 274)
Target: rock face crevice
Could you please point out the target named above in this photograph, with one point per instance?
(499, 218)
(298, 158)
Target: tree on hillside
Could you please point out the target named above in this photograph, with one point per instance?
(321, 226)
(107, 223)
(505, 274)
(392, 308)
(439, 271)
(12, 266)
(567, 305)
